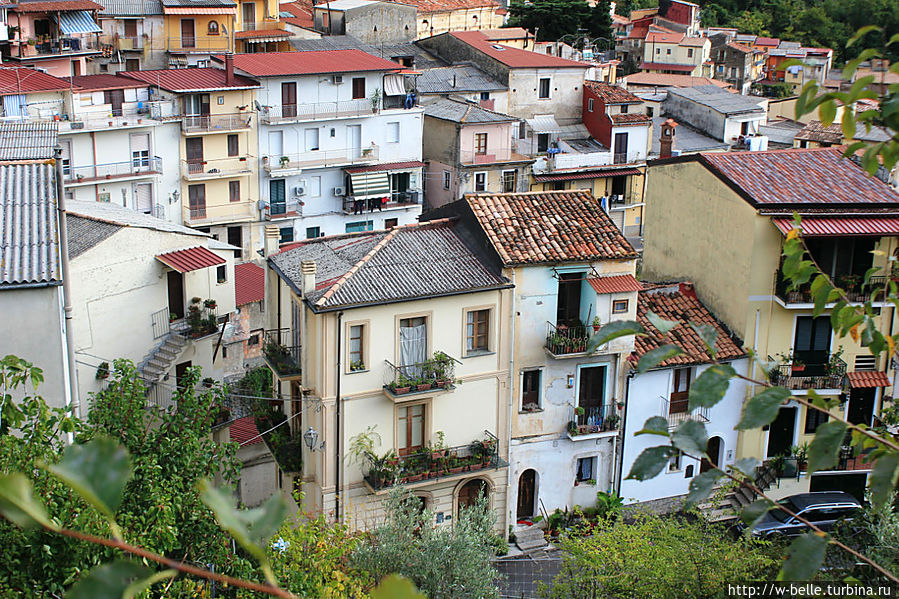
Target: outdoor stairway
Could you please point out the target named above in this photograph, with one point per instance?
(530, 539)
(160, 360)
(738, 498)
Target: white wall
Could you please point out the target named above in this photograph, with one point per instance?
(565, 93)
(637, 142)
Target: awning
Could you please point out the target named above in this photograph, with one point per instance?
(862, 380)
(615, 284)
(369, 185)
(823, 227)
(394, 86)
(190, 259)
(199, 10)
(76, 21)
(387, 166)
(588, 175)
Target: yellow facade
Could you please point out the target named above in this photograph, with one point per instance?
(211, 33)
(460, 19)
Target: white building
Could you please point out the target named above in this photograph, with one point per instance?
(339, 139)
(662, 391)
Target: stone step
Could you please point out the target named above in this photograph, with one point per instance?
(530, 538)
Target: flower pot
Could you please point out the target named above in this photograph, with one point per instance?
(596, 328)
(401, 390)
(457, 469)
(424, 386)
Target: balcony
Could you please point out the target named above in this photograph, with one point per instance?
(215, 123)
(676, 411)
(291, 209)
(397, 200)
(854, 286)
(92, 121)
(58, 46)
(436, 375)
(123, 43)
(292, 113)
(491, 156)
(231, 212)
(129, 169)
(282, 352)
(216, 168)
(318, 158)
(593, 422)
(430, 464)
(204, 44)
(564, 341)
(799, 377)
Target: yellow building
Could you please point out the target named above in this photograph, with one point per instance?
(720, 219)
(364, 343)
(218, 148)
(436, 16)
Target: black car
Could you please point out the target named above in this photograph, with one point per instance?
(822, 508)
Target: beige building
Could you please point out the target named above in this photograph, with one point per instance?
(436, 17)
(732, 212)
(364, 341)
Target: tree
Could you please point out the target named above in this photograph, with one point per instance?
(600, 23)
(549, 19)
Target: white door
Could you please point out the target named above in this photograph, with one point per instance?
(143, 197)
(275, 145)
(354, 140)
(311, 138)
(140, 151)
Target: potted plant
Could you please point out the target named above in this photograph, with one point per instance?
(173, 317)
(401, 385)
(596, 324)
(375, 99)
(422, 384)
(210, 303)
(357, 365)
(102, 371)
(284, 161)
(611, 422)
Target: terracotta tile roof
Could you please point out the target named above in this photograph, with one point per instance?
(249, 283)
(56, 5)
(301, 11)
(548, 227)
(104, 81)
(193, 79)
(662, 66)
(739, 48)
(513, 57)
(262, 33)
(858, 380)
(612, 94)
(615, 284)
(594, 174)
(798, 176)
(190, 259)
(839, 227)
(815, 131)
(767, 41)
(387, 166)
(631, 118)
(21, 80)
(507, 33)
(659, 37)
(679, 303)
(697, 42)
(427, 6)
(274, 64)
(243, 431)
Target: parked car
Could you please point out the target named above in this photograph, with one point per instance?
(823, 508)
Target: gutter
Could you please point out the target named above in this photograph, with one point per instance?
(72, 400)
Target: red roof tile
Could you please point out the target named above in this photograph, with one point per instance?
(190, 259)
(387, 166)
(615, 284)
(513, 57)
(274, 64)
(659, 37)
(671, 80)
(241, 35)
(859, 380)
(243, 431)
(661, 66)
(557, 176)
(547, 227)
(105, 81)
(697, 42)
(612, 94)
(857, 226)
(199, 10)
(249, 283)
(798, 176)
(426, 6)
(679, 303)
(631, 118)
(767, 41)
(20, 80)
(816, 131)
(56, 5)
(188, 80)
(301, 11)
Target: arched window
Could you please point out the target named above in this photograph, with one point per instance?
(470, 491)
(213, 28)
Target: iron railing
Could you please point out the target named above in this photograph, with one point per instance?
(827, 375)
(321, 158)
(278, 210)
(135, 167)
(215, 122)
(596, 419)
(854, 286)
(160, 320)
(432, 463)
(490, 156)
(676, 411)
(198, 43)
(282, 351)
(436, 373)
(61, 46)
(396, 199)
(216, 167)
(563, 340)
(315, 110)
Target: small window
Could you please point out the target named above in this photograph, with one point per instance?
(480, 181)
(390, 223)
(689, 52)
(234, 191)
(254, 339)
(286, 234)
(649, 111)
(590, 105)
(668, 52)
(360, 226)
(233, 145)
(356, 347)
(543, 90)
(213, 28)
(658, 50)
(619, 306)
(480, 143)
(530, 390)
(675, 463)
(586, 470)
(485, 95)
(510, 181)
(393, 132)
(313, 232)
(477, 325)
(624, 108)
(221, 274)
(446, 179)
(358, 88)
(542, 142)
(813, 419)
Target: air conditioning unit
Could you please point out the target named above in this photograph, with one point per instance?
(340, 191)
(299, 190)
(336, 79)
(262, 204)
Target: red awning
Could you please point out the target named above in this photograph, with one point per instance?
(615, 284)
(823, 227)
(588, 175)
(860, 380)
(190, 259)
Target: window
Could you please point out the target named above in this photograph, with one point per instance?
(365, 225)
(313, 232)
(813, 419)
(315, 187)
(658, 50)
(66, 155)
(196, 197)
(130, 28)
(410, 429)
(480, 143)
(619, 306)
(311, 137)
(649, 111)
(233, 191)
(235, 238)
(590, 105)
(689, 52)
(744, 128)
(675, 463)
(624, 109)
(480, 181)
(510, 179)
(358, 88)
(543, 89)
(680, 390)
(477, 326)
(668, 52)
(356, 347)
(277, 196)
(286, 235)
(393, 132)
(233, 145)
(446, 179)
(530, 390)
(390, 223)
(586, 468)
(542, 142)
(221, 274)
(254, 339)
(485, 95)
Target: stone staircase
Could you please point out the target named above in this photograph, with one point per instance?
(159, 361)
(737, 498)
(530, 539)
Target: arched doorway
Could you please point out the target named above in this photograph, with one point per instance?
(527, 494)
(713, 449)
(470, 491)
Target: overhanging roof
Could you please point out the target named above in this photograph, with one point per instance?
(557, 176)
(824, 227)
(615, 284)
(371, 184)
(190, 259)
(861, 380)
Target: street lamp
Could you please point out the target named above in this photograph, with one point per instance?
(310, 437)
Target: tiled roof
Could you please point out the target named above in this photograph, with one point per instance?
(190, 80)
(460, 111)
(27, 141)
(694, 41)
(243, 431)
(242, 35)
(274, 64)
(631, 118)
(507, 33)
(612, 94)
(739, 48)
(570, 176)
(799, 176)
(664, 66)
(767, 41)
(671, 80)
(513, 57)
(111, 213)
(816, 131)
(190, 259)
(300, 11)
(679, 303)
(249, 283)
(427, 6)
(55, 5)
(548, 227)
(850, 226)
(406, 263)
(131, 8)
(195, 3)
(22, 80)
(29, 241)
(864, 379)
(456, 79)
(615, 284)
(85, 233)
(659, 37)
(387, 166)
(104, 81)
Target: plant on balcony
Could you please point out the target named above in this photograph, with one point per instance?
(201, 320)
(596, 324)
(611, 422)
(210, 304)
(285, 160)
(280, 358)
(375, 99)
(402, 384)
(102, 371)
(357, 365)
(835, 364)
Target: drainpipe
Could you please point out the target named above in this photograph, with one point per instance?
(511, 393)
(627, 393)
(72, 400)
(338, 437)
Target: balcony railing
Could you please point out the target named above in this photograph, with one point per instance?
(564, 340)
(215, 122)
(216, 168)
(396, 199)
(315, 111)
(208, 214)
(117, 42)
(72, 175)
(198, 44)
(676, 411)
(282, 351)
(810, 376)
(429, 463)
(597, 419)
(65, 45)
(854, 286)
(103, 120)
(437, 373)
(490, 156)
(321, 158)
(160, 320)
(278, 210)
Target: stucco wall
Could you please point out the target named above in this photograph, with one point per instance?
(565, 93)
(382, 23)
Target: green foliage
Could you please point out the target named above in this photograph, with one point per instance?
(549, 19)
(608, 505)
(804, 558)
(875, 531)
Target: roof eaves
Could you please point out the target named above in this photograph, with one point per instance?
(355, 268)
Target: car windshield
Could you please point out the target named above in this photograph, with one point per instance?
(782, 516)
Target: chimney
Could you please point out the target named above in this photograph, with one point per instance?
(272, 240)
(686, 288)
(307, 268)
(666, 140)
(229, 68)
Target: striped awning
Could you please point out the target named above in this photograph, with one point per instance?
(199, 10)
(369, 185)
(190, 259)
(823, 227)
(77, 21)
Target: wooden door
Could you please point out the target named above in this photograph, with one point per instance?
(289, 99)
(175, 282)
(780, 432)
(193, 148)
(620, 148)
(188, 36)
(197, 200)
(527, 486)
